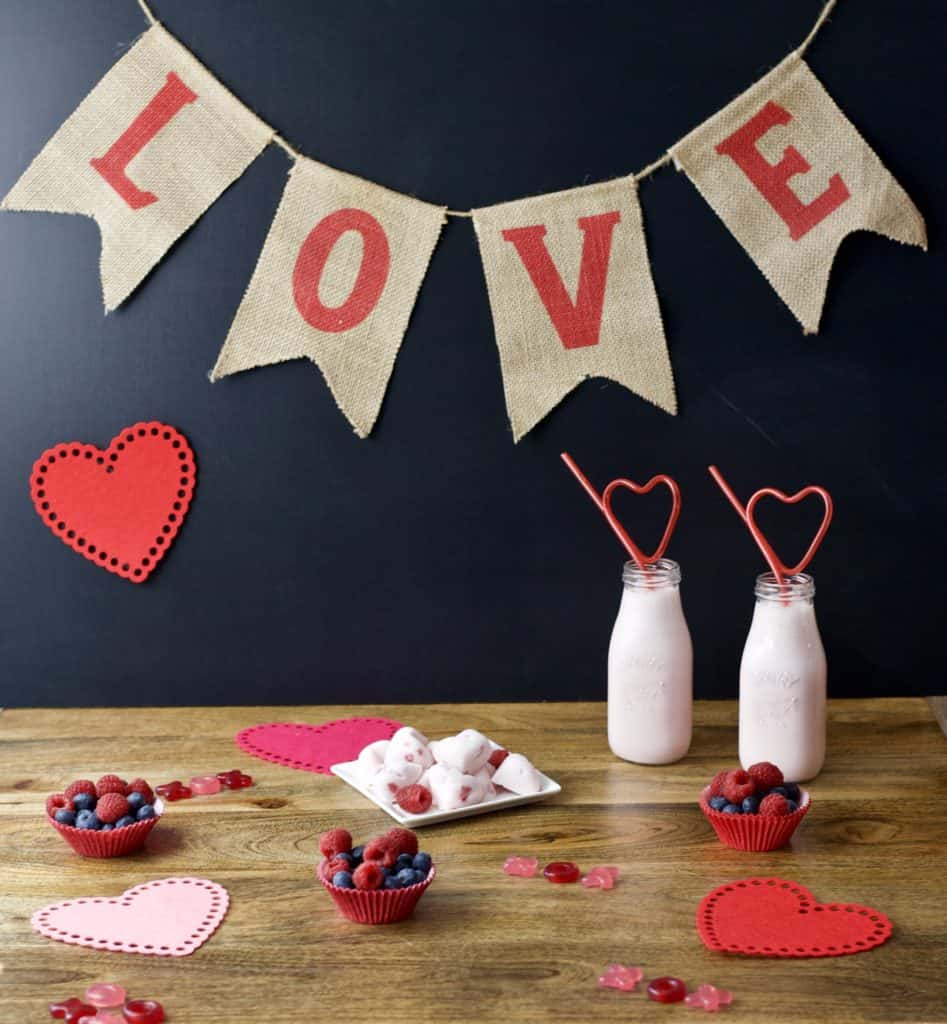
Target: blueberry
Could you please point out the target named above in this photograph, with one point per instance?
(718, 802)
(422, 862)
(126, 820)
(387, 872)
(65, 817)
(144, 812)
(751, 804)
(731, 809)
(792, 791)
(793, 806)
(392, 882)
(406, 876)
(87, 819)
(419, 876)
(781, 790)
(135, 800)
(347, 857)
(83, 801)
(107, 828)
(357, 852)
(405, 860)
(343, 879)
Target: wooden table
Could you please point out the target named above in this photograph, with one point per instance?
(482, 947)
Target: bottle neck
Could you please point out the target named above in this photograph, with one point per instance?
(664, 574)
(794, 590)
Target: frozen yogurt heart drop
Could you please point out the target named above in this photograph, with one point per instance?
(452, 789)
(518, 776)
(468, 751)
(386, 782)
(409, 745)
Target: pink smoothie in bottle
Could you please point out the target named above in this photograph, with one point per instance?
(650, 667)
(782, 680)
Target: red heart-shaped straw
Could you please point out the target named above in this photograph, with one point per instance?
(662, 478)
(788, 499)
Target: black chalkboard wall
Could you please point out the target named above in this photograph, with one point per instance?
(436, 560)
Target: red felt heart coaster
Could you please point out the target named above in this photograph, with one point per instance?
(314, 748)
(122, 507)
(773, 917)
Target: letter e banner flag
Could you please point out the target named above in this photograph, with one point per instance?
(145, 154)
(572, 297)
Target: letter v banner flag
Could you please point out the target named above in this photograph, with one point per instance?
(144, 154)
(572, 297)
(790, 176)
(336, 281)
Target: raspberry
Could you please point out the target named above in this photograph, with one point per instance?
(140, 786)
(57, 802)
(716, 785)
(774, 805)
(81, 786)
(498, 757)
(738, 785)
(765, 775)
(368, 876)
(336, 840)
(403, 840)
(414, 799)
(381, 850)
(337, 864)
(110, 784)
(111, 807)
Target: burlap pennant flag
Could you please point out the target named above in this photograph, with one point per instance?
(572, 297)
(145, 154)
(336, 281)
(790, 176)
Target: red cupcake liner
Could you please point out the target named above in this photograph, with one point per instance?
(89, 842)
(756, 833)
(375, 906)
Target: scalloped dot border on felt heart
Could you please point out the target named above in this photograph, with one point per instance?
(244, 741)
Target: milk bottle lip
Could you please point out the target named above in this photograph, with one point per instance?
(665, 572)
(800, 587)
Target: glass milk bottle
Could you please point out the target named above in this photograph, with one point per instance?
(782, 680)
(650, 668)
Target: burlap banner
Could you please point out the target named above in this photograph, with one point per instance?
(790, 176)
(336, 281)
(144, 154)
(537, 254)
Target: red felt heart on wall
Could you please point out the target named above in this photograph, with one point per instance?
(122, 507)
(787, 499)
(630, 485)
(774, 917)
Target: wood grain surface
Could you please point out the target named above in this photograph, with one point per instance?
(482, 946)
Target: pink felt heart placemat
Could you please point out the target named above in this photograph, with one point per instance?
(314, 748)
(776, 917)
(165, 917)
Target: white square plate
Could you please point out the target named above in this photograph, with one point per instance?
(503, 799)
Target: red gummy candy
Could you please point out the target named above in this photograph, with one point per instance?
(80, 786)
(173, 790)
(336, 840)
(498, 757)
(111, 807)
(561, 871)
(765, 775)
(737, 786)
(234, 779)
(143, 1011)
(57, 802)
(774, 806)
(71, 1010)
(368, 876)
(667, 990)
(110, 784)
(140, 786)
(416, 799)
(403, 840)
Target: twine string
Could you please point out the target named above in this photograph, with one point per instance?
(642, 175)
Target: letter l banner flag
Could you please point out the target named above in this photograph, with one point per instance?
(336, 281)
(790, 176)
(145, 154)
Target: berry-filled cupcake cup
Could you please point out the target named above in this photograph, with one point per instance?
(375, 906)
(114, 843)
(756, 833)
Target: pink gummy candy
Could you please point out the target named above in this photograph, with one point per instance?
(706, 997)
(205, 785)
(105, 994)
(602, 877)
(522, 867)
(621, 977)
